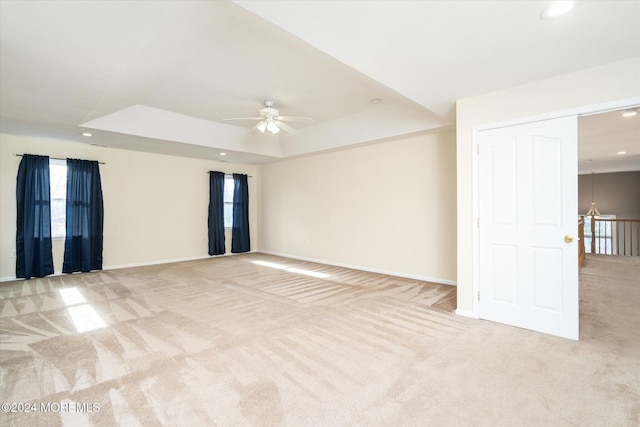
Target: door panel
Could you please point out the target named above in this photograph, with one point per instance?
(503, 289)
(547, 267)
(527, 204)
(547, 173)
(503, 169)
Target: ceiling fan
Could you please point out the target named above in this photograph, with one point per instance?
(271, 120)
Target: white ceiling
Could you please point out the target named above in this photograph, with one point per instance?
(160, 76)
(609, 142)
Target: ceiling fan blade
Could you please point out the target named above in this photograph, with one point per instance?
(244, 118)
(293, 118)
(269, 116)
(285, 127)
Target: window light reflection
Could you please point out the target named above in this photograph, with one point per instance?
(71, 296)
(293, 269)
(308, 272)
(84, 316)
(271, 264)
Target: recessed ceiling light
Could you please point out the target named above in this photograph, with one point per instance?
(376, 101)
(557, 9)
(86, 134)
(621, 153)
(630, 113)
(223, 154)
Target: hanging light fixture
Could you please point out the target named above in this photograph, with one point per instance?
(594, 210)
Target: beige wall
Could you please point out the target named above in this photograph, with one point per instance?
(612, 82)
(614, 193)
(155, 205)
(387, 207)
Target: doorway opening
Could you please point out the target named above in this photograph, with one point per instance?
(582, 112)
(608, 179)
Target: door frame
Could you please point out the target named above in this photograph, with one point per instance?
(577, 111)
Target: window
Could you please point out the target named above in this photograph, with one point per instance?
(605, 235)
(228, 201)
(58, 184)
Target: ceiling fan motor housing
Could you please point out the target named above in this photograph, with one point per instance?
(268, 110)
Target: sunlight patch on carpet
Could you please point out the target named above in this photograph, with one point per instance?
(306, 272)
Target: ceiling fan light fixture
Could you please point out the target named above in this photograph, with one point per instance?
(271, 127)
(271, 120)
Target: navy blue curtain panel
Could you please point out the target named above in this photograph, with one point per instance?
(216, 213)
(240, 241)
(34, 257)
(85, 217)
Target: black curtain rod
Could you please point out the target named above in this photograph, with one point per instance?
(248, 176)
(56, 158)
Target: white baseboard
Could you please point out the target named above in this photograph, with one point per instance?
(169, 261)
(135, 264)
(361, 268)
(320, 261)
(465, 313)
(148, 263)
(11, 279)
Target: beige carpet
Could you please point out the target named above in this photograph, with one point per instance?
(257, 340)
